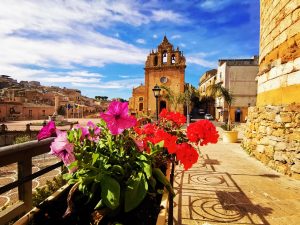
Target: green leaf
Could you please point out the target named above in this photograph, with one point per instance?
(136, 191)
(73, 165)
(162, 178)
(145, 165)
(110, 192)
(95, 156)
(160, 144)
(100, 204)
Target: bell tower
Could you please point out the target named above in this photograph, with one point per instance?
(164, 67)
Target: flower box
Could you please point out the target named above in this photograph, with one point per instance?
(60, 196)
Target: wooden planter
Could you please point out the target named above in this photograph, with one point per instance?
(161, 219)
(230, 136)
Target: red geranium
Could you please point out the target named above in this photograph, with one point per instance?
(203, 131)
(175, 117)
(187, 155)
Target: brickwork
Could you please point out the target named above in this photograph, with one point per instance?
(279, 51)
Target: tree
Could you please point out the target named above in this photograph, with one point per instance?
(217, 90)
(61, 110)
(173, 98)
(103, 98)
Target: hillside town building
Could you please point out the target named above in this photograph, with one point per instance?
(29, 100)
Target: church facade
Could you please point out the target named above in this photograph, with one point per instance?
(164, 67)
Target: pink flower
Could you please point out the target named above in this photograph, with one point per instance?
(84, 131)
(61, 148)
(117, 118)
(47, 131)
(94, 131)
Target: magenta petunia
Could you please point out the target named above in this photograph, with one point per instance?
(61, 148)
(47, 131)
(117, 118)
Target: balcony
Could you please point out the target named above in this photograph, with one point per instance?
(22, 155)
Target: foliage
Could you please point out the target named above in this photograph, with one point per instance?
(218, 90)
(22, 138)
(172, 97)
(116, 163)
(227, 127)
(103, 98)
(44, 192)
(61, 110)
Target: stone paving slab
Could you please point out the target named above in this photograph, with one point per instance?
(227, 186)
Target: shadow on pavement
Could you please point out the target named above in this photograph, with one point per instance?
(204, 195)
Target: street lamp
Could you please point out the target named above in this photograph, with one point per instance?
(156, 91)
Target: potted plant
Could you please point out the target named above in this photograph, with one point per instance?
(229, 135)
(117, 168)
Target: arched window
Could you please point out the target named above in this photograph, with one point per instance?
(165, 57)
(141, 99)
(155, 62)
(141, 106)
(173, 59)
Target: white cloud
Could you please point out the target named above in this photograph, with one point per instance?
(114, 84)
(62, 34)
(141, 41)
(168, 15)
(216, 5)
(201, 62)
(182, 45)
(154, 36)
(176, 36)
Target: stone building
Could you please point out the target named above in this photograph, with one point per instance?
(238, 76)
(165, 67)
(30, 100)
(273, 126)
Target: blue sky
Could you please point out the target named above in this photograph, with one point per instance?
(100, 47)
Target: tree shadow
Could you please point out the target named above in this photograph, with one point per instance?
(214, 197)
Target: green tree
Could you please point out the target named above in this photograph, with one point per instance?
(61, 110)
(217, 90)
(172, 97)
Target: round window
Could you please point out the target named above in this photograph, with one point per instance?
(163, 80)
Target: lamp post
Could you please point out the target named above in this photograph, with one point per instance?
(156, 92)
(187, 105)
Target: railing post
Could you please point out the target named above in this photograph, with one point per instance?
(25, 190)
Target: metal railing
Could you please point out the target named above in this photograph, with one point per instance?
(22, 154)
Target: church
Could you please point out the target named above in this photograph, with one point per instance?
(164, 67)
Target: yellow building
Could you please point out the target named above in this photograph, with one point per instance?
(164, 67)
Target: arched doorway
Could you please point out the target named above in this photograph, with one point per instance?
(238, 115)
(162, 105)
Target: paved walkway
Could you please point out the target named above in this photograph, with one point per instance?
(229, 187)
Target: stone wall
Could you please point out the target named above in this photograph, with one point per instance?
(279, 56)
(272, 135)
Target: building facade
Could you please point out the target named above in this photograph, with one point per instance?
(206, 81)
(164, 67)
(239, 77)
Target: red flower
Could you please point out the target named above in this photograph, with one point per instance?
(203, 131)
(169, 140)
(175, 117)
(187, 155)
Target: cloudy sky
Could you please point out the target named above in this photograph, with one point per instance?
(100, 47)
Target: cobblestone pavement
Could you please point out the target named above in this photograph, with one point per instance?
(227, 186)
